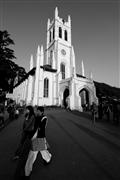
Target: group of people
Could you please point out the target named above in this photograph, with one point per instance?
(13, 111)
(33, 140)
(106, 109)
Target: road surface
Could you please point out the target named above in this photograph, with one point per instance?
(81, 151)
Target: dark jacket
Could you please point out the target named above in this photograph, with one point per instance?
(28, 126)
(40, 124)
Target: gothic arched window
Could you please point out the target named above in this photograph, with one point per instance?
(50, 36)
(62, 69)
(65, 35)
(60, 32)
(53, 33)
(46, 87)
(51, 57)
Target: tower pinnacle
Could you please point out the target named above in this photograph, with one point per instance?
(42, 56)
(69, 20)
(56, 13)
(38, 50)
(48, 23)
(83, 71)
(31, 62)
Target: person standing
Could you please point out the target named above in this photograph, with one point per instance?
(94, 112)
(39, 143)
(100, 110)
(115, 113)
(28, 129)
(108, 111)
(25, 143)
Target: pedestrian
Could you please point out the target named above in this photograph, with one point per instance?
(108, 112)
(25, 144)
(2, 123)
(11, 111)
(86, 106)
(115, 113)
(39, 143)
(28, 129)
(68, 104)
(16, 113)
(94, 112)
(100, 110)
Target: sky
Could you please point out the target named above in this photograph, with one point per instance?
(95, 32)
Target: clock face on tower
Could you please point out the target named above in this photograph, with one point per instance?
(63, 52)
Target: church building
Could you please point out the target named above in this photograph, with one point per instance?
(54, 81)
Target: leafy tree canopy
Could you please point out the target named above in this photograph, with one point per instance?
(8, 69)
(5, 41)
(103, 89)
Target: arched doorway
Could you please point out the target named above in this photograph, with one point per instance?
(65, 95)
(84, 94)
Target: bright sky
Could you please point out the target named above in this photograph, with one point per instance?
(95, 32)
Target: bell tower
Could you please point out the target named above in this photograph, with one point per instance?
(59, 48)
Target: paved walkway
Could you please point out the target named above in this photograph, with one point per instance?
(80, 150)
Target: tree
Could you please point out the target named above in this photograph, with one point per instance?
(5, 41)
(8, 69)
(103, 89)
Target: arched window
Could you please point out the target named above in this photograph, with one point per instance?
(46, 87)
(51, 57)
(60, 32)
(50, 36)
(62, 69)
(53, 33)
(65, 35)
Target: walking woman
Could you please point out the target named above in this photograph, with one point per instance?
(94, 112)
(25, 143)
(39, 142)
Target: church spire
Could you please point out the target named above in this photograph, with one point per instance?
(48, 23)
(83, 71)
(73, 63)
(38, 50)
(91, 75)
(31, 62)
(42, 56)
(69, 20)
(56, 13)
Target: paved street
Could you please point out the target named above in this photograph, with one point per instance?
(80, 150)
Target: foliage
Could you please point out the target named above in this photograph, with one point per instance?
(5, 41)
(103, 89)
(8, 69)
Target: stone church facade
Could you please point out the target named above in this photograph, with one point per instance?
(54, 81)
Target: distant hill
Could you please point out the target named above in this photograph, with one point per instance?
(103, 89)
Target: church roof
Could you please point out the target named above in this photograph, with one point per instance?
(47, 67)
(79, 75)
(31, 72)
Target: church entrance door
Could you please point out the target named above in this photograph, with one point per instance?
(84, 94)
(65, 95)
